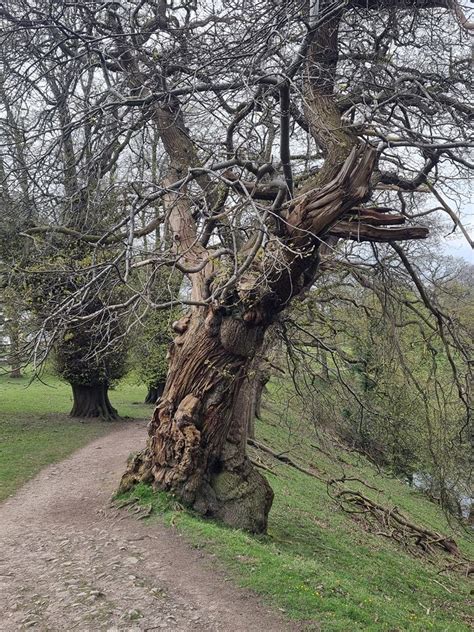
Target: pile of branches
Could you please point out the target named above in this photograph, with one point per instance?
(384, 521)
(391, 523)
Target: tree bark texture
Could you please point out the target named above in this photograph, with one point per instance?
(197, 437)
(92, 400)
(196, 445)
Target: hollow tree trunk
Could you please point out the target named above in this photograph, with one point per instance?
(197, 438)
(92, 400)
(155, 391)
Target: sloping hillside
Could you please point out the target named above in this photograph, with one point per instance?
(326, 568)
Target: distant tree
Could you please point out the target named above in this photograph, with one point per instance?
(91, 373)
(151, 353)
(13, 308)
(369, 366)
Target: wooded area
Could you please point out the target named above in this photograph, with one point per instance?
(243, 215)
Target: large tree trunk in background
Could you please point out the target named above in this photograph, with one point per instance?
(14, 334)
(197, 437)
(154, 393)
(92, 400)
(15, 355)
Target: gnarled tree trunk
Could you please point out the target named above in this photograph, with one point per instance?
(197, 437)
(92, 400)
(196, 445)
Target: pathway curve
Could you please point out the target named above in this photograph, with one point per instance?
(69, 562)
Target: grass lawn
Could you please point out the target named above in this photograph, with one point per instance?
(317, 564)
(35, 429)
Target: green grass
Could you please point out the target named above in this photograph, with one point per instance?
(35, 429)
(316, 564)
(320, 566)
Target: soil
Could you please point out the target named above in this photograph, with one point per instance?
(69, 561)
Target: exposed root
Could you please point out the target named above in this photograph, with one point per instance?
(133, 506)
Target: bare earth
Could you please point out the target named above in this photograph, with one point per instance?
(70, 562)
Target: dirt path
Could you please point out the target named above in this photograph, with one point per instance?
(67, 562)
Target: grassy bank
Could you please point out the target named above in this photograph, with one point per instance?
(320, 565)
(35, 429)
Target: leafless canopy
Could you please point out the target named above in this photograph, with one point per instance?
(247, 145)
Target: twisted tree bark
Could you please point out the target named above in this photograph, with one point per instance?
(197, 437)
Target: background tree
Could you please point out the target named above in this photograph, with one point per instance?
(69, 186)
(385, 382)
(150, 353)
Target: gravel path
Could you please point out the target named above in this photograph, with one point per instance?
(70, 562)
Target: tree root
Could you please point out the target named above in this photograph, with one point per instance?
(133, 506)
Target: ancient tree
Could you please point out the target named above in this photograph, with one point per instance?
(285, 129)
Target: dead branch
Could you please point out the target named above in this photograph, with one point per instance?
(392, 524)
(283, 458)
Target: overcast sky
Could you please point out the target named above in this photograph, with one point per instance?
(456, 244)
